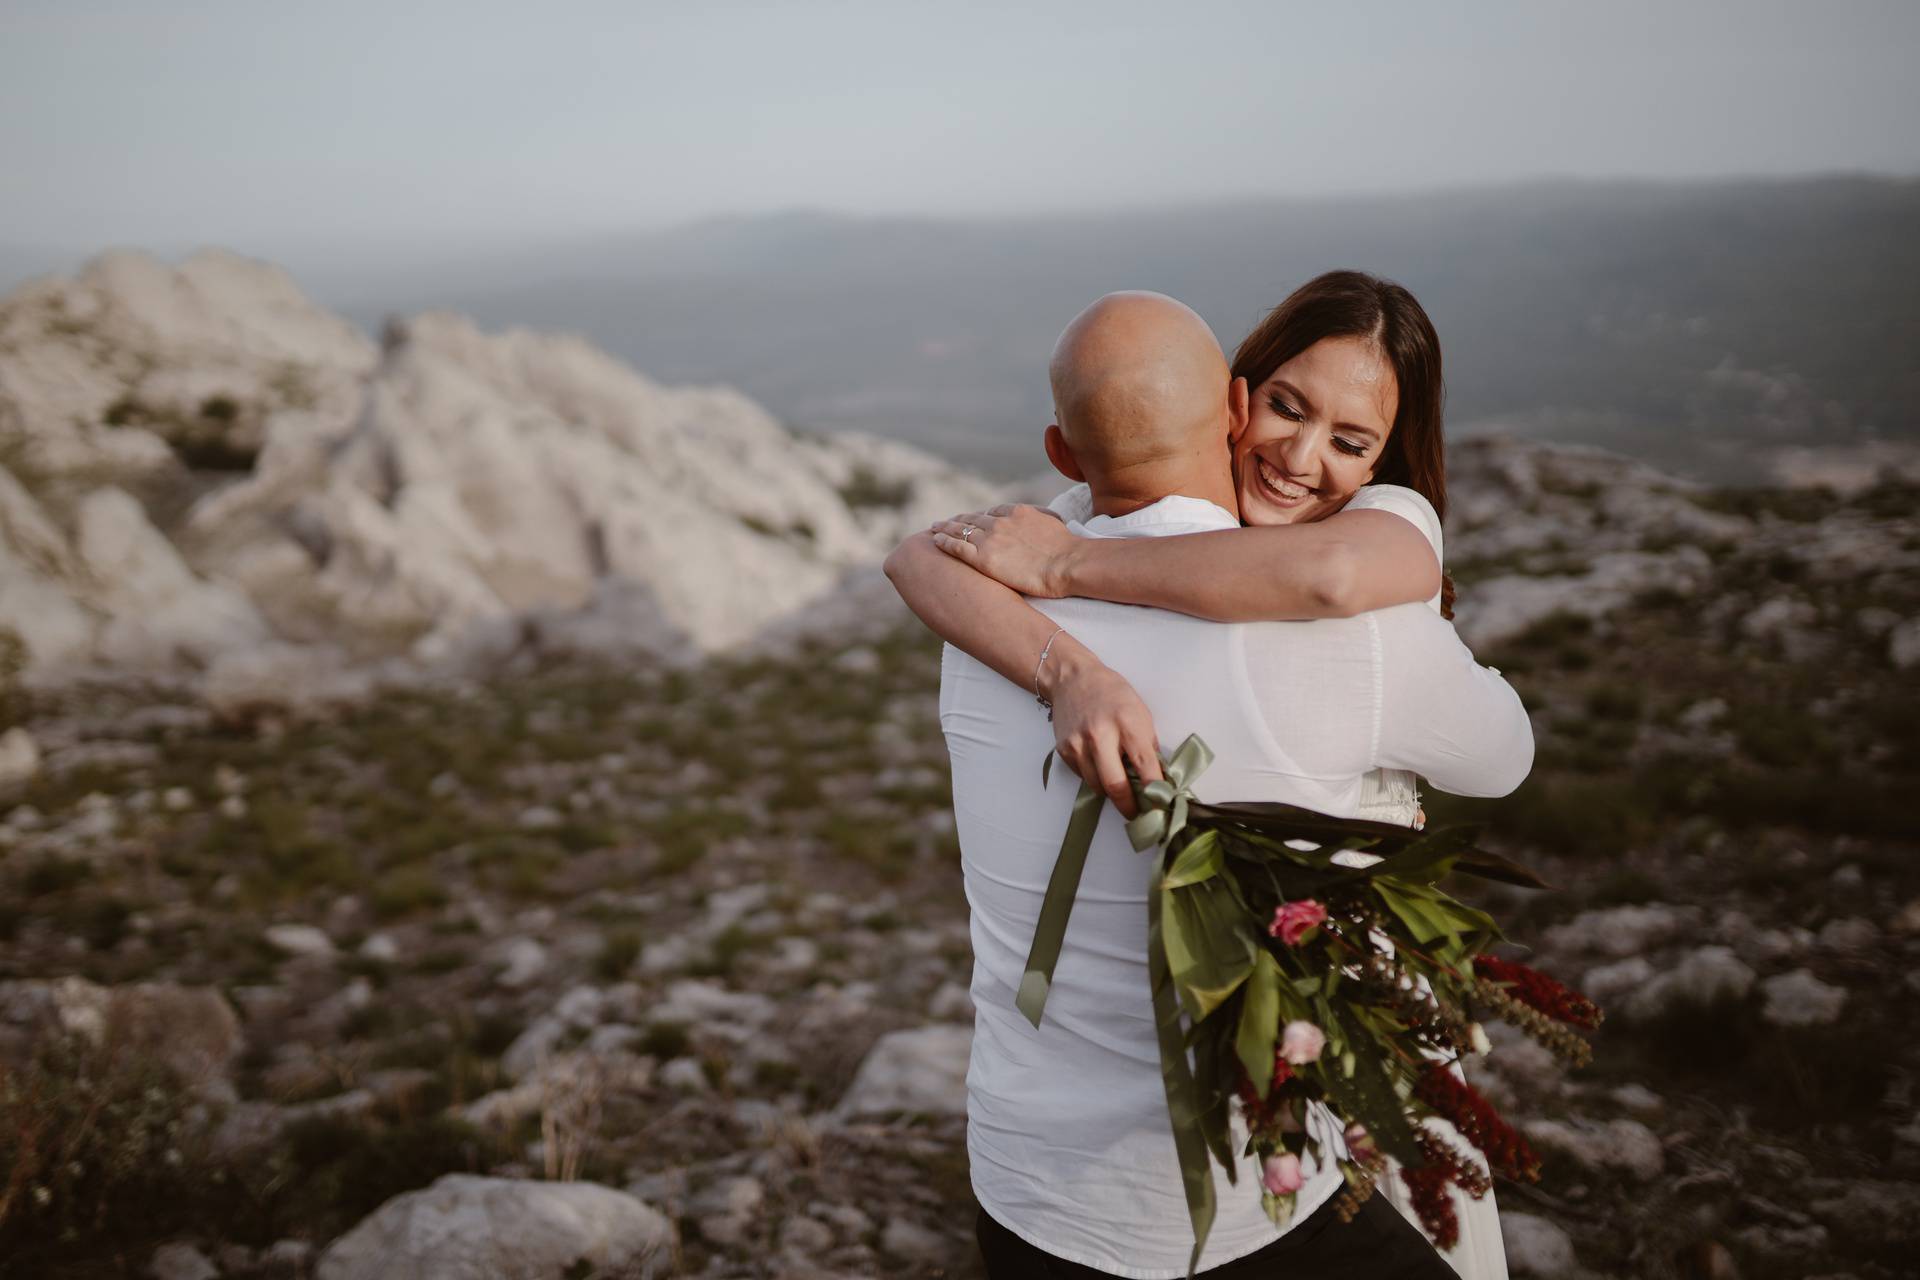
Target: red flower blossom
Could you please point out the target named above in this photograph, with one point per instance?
(1293, 921)
(1537, 991)
(1477, 1121)
(1427, 1187)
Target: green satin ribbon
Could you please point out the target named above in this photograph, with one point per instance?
(1163, 809)
(1162, 814)
(1163, 804)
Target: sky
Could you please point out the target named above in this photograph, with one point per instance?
(263, 127)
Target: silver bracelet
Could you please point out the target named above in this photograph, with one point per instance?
(1044, 651)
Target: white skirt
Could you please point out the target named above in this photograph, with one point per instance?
(1392, 795)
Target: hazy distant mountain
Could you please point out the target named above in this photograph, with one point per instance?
(1681, 322)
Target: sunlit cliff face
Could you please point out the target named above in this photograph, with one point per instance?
(1315, 432)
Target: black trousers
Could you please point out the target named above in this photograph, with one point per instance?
(1378, 1244)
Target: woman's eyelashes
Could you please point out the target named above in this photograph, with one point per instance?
(1353, 449)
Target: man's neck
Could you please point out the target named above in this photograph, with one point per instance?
(1125, 495)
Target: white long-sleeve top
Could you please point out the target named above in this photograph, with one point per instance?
(1067, 1134)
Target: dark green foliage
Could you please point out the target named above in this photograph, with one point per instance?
(619, 951)
(866, 489)
(665, 1040)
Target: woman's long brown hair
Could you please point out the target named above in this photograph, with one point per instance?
(1353, 304)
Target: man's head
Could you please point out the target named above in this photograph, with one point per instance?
(1144, 404)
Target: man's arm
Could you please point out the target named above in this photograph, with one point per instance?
(1442, 714)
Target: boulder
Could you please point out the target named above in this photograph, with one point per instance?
(178, 1260)
(19, 756)
(465, 1227)
(923, 1069)
(1623, 1146)
(1903, 644)
(1621, 931)
(1704, 976)
(1798, 999)
(191, 1030)
(911, 1242)
(1536, 1247)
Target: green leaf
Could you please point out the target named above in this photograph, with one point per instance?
(1199, 859)
(1183, 1104)
(1208, 946)
(1429, 857)
(1405, 901)
(1259, 1022)
(1213, 1103)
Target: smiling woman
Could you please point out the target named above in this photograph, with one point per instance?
(1347, 391)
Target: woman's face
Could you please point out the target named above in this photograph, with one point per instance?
(1314, 432)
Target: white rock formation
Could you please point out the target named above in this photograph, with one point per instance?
(130, 338)
(452, 495)
(464, 1227)
(1616, 528)
(158, 612)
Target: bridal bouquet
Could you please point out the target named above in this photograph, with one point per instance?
(1318, 964)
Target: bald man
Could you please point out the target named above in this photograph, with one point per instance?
(1070, 1150)
(1144, 404)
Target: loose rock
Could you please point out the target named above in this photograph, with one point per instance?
(464, 1227)
(924, 1069)
(1798, 999)
(299, 940)
(1536, 1247)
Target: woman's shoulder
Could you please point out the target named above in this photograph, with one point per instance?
(1409, 504)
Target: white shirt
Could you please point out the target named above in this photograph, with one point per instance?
(1067, 1129)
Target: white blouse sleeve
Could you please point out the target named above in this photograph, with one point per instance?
(1410, 505)
(1442, 714)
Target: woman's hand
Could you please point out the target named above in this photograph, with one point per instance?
(1026, 548)
(1100, 725)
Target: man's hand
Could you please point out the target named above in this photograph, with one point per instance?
(1026, 548)
(1100, 725)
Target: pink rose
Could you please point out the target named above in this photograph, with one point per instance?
(1292, 921)
(1281, 1174)
(1301, 1043)
(1360, 1144)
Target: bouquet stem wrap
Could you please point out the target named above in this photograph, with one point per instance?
(1206, 955)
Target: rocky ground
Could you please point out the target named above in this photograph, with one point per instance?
(695, 936)
(531, 952)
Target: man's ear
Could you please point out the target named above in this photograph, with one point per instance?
(1060, 455)
(1239, 410)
